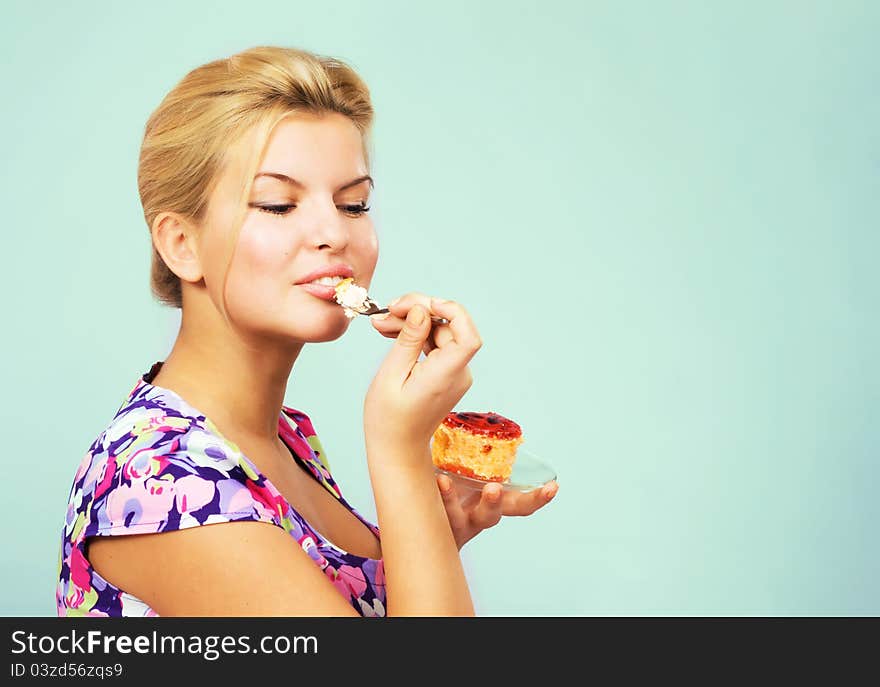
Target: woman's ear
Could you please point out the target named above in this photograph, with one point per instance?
(175, 240)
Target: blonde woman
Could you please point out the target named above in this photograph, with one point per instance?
(254, 176)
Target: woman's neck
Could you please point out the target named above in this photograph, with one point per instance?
(241, 393)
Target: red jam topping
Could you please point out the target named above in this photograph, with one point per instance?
(489, 424)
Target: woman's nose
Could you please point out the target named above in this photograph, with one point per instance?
(328, 227)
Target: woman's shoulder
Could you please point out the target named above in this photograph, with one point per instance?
(157, 465)
(150, 425)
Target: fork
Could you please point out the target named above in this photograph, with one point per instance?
(372, 308)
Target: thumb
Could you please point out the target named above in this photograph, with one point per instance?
(408, 345)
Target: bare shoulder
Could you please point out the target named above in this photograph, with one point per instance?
(243, 568)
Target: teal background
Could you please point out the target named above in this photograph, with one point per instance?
(662, 217)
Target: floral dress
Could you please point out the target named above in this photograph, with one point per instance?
(161, 465)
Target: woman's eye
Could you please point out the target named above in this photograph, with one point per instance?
(354, 210)
(274, 209)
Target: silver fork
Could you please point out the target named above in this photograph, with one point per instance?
(372, 308)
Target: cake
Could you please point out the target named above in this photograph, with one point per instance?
(351, 297)
(478, 445)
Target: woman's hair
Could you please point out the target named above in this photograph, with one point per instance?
(228, 107)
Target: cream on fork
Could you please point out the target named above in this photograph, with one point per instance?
(355, 301)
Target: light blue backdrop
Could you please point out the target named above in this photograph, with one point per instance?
(662, 216)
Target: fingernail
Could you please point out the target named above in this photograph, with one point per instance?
(418, 316)
(550, 493)
(383, 316)
(438, 301)
(395, 301)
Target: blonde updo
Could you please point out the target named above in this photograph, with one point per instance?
(226, 107)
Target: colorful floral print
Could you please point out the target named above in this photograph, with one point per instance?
(162, 465)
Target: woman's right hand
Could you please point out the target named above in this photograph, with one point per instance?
(409, 398)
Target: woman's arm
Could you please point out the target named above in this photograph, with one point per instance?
(251, 568)
(248, 568)
(242, 568)
(423, 571)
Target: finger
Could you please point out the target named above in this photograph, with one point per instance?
(454, 511)
(401, 306)
(408, 345)
(387, 325)
(397, 312)
(461, 326)
(457, 349)
(518, 503)
(459, 340)
(390, 323)
(488, 511)
(441, 335)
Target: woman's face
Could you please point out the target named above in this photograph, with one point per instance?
(313, 224)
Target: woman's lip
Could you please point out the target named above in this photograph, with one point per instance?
(328, 293)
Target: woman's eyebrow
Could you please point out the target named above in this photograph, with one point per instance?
(294, 182)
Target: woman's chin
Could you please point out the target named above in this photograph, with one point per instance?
(325, 329)
(309, 321)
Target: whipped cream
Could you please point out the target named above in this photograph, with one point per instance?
(351, 297)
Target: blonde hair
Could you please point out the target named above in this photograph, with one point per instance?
(231, 106)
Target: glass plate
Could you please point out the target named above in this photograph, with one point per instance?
(529, 472)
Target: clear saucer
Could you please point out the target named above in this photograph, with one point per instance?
(529, 473)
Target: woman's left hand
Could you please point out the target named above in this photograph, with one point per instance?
(469, 514)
